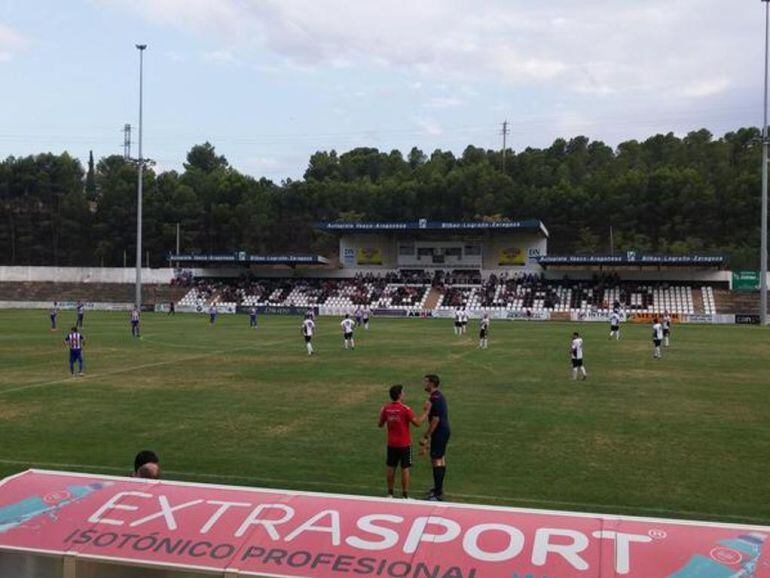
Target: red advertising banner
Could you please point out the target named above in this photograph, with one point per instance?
(296, 534)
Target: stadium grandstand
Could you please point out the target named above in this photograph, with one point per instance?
(433, 268)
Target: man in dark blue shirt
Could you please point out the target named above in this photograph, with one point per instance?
(438, 433)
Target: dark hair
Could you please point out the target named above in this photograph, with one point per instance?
(433, 378)
(75, 329)
(575, 334)
(395, 391)
(145, 457)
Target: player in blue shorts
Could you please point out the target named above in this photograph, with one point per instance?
(212, 314)
(253, 317)
(74, 341)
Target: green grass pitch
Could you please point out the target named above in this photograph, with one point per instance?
(688, 436)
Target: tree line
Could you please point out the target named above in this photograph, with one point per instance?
(696, 194)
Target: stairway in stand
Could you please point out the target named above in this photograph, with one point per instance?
(431, 301)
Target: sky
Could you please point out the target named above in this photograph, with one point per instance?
(269, 82)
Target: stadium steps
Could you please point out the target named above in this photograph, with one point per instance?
(697, 303)
(735, 302)
(87, 292)
(432, 300)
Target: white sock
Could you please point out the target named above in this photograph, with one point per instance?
(583, 370)
(353, 343)
(309, 349)
(574, 373)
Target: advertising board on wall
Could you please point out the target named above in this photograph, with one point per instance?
(258, 532)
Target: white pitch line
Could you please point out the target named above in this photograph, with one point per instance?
(555, 504)
(123, 370)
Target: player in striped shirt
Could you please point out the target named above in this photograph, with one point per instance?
(458, 321)
(75, 341)
(348, 325)
(308, 329)
(366, 318)
(135, 322)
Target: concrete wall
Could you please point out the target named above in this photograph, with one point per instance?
(84, 275)
(705, 276)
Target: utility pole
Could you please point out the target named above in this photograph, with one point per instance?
(127, 142)
(765, 143)
(138, 297)
(504, 132)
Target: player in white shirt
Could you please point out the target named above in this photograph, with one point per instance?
(367, 313)
(348, 325)
(308, 329)
(615, 325)
(657, 338)
(458, 321)
(666, 328)
(484, 332)
(464, 320)
(576, 354)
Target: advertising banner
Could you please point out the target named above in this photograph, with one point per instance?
(528, 315)
(745, 280)
(512, 256)
(747, 319)
(369, 256)
(650, 317)
(295, 534)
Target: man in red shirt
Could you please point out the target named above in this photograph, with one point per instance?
(398, 417)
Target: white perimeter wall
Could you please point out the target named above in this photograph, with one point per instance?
(84, 275)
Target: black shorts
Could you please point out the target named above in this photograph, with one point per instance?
(614, 327)
(465, 323)
(482, 334)
(666, 332)
(399, 457)
(308, 338)
(438, 442)
(656, 342)
(458, 324)
(577, 363)
(348, 336)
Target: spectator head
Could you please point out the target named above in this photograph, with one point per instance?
(396, 392)
(143, 458)
(148, 471)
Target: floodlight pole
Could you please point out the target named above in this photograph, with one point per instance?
(138, 297)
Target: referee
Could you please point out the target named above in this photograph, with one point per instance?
(438, 433)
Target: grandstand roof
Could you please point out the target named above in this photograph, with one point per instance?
(426, 225)
(632, 259)
(241, 257)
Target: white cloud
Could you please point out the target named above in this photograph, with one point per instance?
(705, 88)
(430, 126)
(10, 42)
(600, 47)
(443, 102)
(220, 56)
